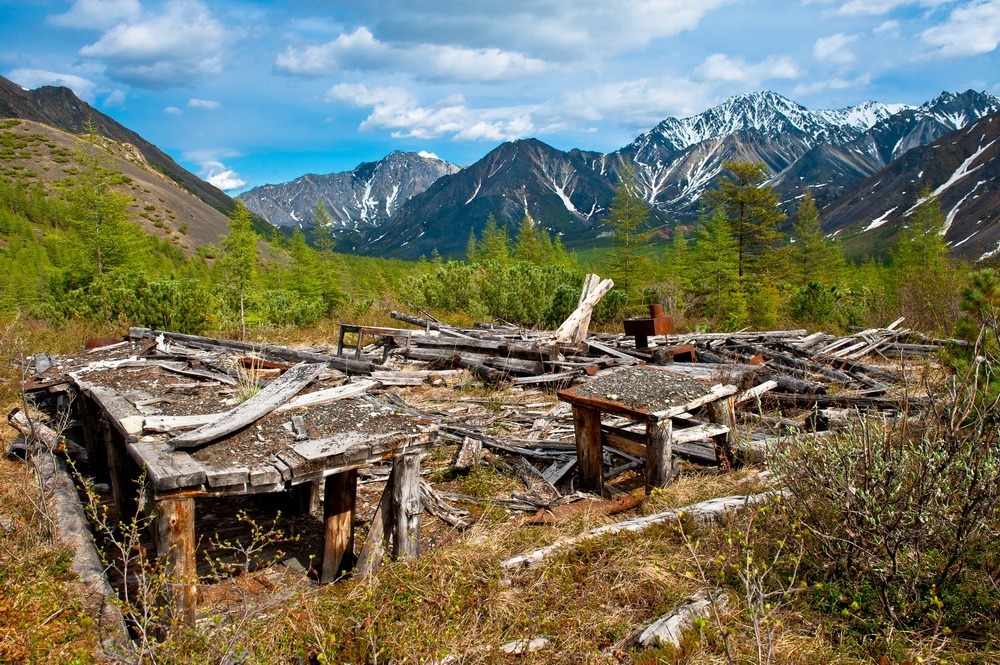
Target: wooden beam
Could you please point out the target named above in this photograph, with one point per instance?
(406, 506)
(373, 549)
(659, 455)
(589, 451)
(271, 397)
(175, 545)
(338, 523)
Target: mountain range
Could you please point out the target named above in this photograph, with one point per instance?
(831, 152)
(867, 165)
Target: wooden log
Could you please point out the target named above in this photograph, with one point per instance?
(589, 451)
(469, 455)
(756, 391)
(861, 401)
(406, 506)
(568, 330)
(326, 396)
(381, 529)
(515, 365)
(705, 512)
(590, 284)
(723, 413)
(482, 372)
(267, 350)
(670, 628)
(659, 456)
(175, 545)
(339, 495)
(611, 351)
(274, 395)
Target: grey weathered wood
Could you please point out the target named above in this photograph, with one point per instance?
(338, 523)
(587, 426)
(406, 506)
(705, 512)
(274, 395)
(566, 332)
(373, 549)
(659, 455)
(175, 544)
(670, 628)
(166, 469)
(225, 476)
(469, 454)
(114, 452)
(716, 392)
(557, 470)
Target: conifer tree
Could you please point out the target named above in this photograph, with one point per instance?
(715, 263)
(495, 245)
(753, 214)
(238, 263)
(921, 245)
(629, 215)
(813, 256)
(323, 225)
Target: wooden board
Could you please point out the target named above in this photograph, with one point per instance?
(167, 469)
(271, 397)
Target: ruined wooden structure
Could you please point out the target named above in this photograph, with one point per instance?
(171, 414)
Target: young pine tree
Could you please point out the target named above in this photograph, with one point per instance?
(715, 264)
(323, 225)
(813, 257)
(628, 258)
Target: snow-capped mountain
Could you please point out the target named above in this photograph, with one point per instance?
(363, 198)
(519, 178)
(962, 169)
(828, 151)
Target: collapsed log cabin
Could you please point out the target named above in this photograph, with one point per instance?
(197, 418)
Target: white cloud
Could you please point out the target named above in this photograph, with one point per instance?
(887, 28)
(206, 104)
(395, 109)
(832, 84)
(970, 30)
(834, 48)
(722, 67)
(163, 50)
(360, 50)
(116, 98)
(637, 103)
(881, 7)
(97, 13)
(428, 155)
(84, 88)
(213, 170)
(172, 110)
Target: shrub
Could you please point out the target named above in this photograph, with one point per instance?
(904, 509)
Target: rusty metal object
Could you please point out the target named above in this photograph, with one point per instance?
(657, 323)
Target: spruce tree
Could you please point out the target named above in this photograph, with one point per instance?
(753, 214)
(715, 264)
(495, 245)
(323, 227)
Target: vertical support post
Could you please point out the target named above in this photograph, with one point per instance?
(723, 412)
(340, 341)
(641, 342)
(174, 531)
(115, 455)
(338, 523)
(659, 455)
(307, 497)
(406, 505)
(373, 550)
(359, 345)
(589, 448)
(92, 438)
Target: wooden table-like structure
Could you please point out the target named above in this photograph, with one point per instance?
(311, 444)
(651, 396)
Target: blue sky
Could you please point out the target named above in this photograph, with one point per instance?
(247, 92)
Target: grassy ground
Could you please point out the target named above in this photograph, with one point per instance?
(457, 601)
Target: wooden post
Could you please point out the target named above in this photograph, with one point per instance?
(338, 523)
(589, 451)
(373, 550)
(174, 532)
(92, 439)
(406, 505)
(121, 489)
(723, 412)
(659, 456)
(307, 497)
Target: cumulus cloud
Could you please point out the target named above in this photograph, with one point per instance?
(880, 7)
(428, 155)
(172, 110)
(84, 88)
(360, 50)
(834, 48)
(729, 69)
(97, 13)
(635, 103)
(206, 104)
(395, 109)
(970, 30)
(214, 171)
(887, 28)
(163, 50)
(564, 27)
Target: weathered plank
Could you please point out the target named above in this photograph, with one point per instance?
(274, 395)
(587, 425)
(406, 506)
(338, 523)
(373, 549)
(167, 469)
